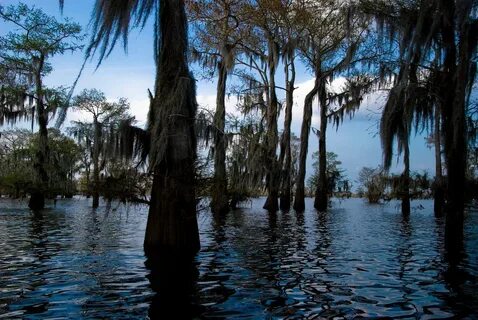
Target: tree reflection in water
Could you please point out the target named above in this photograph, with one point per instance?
(459, 281)
(356, 260)
(173, 278)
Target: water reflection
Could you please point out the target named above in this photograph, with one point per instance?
(39, 247)
(460, 274)
(173, 278)
(356, 260)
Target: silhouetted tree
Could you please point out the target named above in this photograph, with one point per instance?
(170, 139)
(444, 32)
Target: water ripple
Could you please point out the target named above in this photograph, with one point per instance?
(356, 261)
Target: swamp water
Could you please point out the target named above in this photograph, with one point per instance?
(356, 261)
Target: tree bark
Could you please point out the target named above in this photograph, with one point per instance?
(172, 224)
(405, 179)
(285, 159)
(456, 152)
(96, 165)
(299, 203)
(321, 199)
(37, 198)
(219, 203)
(454, 87)
(272, 167)
(438, 189)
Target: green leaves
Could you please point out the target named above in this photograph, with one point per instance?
(36, 33)
(17, 152)
(24, 52)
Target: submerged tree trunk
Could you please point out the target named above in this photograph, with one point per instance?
(37, 198)
(219, 202)
(96, 165)
(405, 179)
(321, 197)
(272, 166)
(455, 149)
(172, 224)
(438, 189)
(299, 203)
(220, 196)
(455, 82)
(285, 159)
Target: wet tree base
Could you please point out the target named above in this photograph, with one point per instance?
(406, 206)
(284, 203)
(299, 202)
(321, 202)
(439, 202)
(37, 201)
(220, 205)
(96, 201)
(271, 204)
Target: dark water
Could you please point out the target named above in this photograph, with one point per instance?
(356, 261)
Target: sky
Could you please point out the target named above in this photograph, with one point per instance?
(129, 74)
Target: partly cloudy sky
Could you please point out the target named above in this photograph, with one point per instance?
(130, 75)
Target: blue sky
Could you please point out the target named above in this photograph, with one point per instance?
(130, 74)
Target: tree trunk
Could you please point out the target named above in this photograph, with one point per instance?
(405, 179)
(87, 173)
(96, 164)
(172, 224)
(285, 159)
(454, 87)
(219, 203)
(272, 167)
(456, 151)
(37, 198)
(321, 199)
(299, 203)
(438, 189)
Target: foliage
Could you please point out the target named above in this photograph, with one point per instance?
(245, 176)
(437, 40)
(372, 183)
(63, 161)
(24, 61)
(125, 182)
(16, 168)
(218, 28)
(336, 181)
(97, 137)
(420, 185)
(108, 117)
(24, 58)
(18, 148)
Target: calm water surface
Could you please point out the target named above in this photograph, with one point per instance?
(356, 261)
